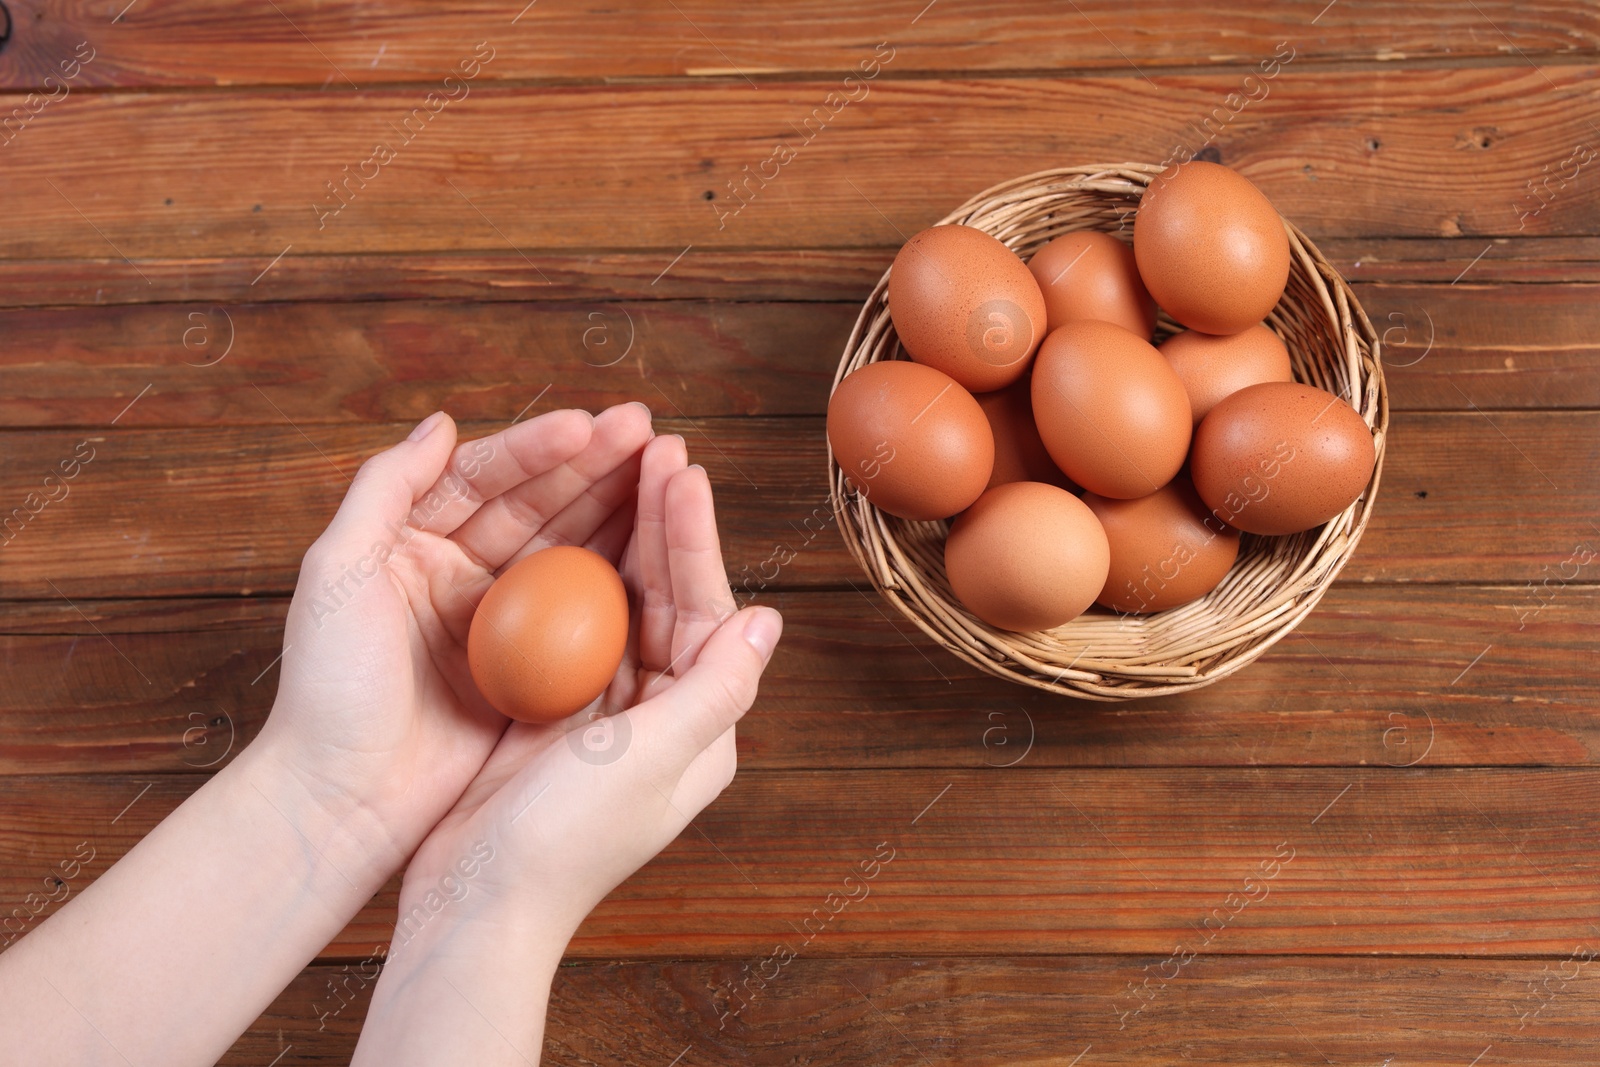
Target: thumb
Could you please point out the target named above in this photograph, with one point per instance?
(715, 693)
(389, 485)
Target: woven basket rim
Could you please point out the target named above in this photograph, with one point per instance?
(1275, 583)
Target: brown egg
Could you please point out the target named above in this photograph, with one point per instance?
(1026, 556)
(910, 439)
(549, 634)
(963, 303)
(1019, 454)
(1212, 366)
(1281, 457)
(1211, 248)
(1092, 275)
(1166, 548)
(1111, 411)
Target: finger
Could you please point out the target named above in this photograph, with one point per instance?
(663, 458)
(455, 588)
(481, 470)
(593, 508)
(713, 694)
(612, 537)
(504, 524)
(700, 595)
(388, 485)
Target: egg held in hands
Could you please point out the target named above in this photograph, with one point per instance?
(549, 635)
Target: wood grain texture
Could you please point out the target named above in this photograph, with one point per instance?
(365, 362)
(846, 274)
(347, 45)
(1006, 1011)
(1512, 346)
(1038, 1012)
(1393, 154)
(230, 511)
(1376, 676)
(1425, 743)
(1029, 862)
(841, 274)
(1494, 346)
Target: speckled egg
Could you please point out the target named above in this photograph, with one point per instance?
(548, 636)
(910, 439)
(1167, 549)
(1281, 457)
(1092, 275)
(1026, 556)
(1110, 409)
(1213, 366)
(963, 303)
(1211, 248)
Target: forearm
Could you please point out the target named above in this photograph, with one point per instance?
(470, 988)
(176, 949)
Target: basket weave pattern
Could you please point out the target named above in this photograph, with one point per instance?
(1276, 581)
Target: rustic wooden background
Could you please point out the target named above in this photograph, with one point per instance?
(1424, 745)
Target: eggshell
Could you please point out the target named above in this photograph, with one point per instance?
(963, 303)
(1110, 409)
(1166, 548)
(1026, 556)
(1092, 275)
(549, 634)
(910, 439)
(1211, 248)
(1019, 453)
(1212, 367)
(1281, 457)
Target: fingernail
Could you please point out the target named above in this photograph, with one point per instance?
(641, 404)
(762, 630)
(426, 426)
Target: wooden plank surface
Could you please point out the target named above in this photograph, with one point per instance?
(782, 274)
(1004, 1011)
(1376, 676)
(1425, 861)
(346, 45)
(1446, 348)
(230, 511)
(1424, 743)
(379, 362)
(242, 173)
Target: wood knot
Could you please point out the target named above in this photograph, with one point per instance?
(1477, 139)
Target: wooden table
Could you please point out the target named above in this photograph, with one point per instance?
(593, 209)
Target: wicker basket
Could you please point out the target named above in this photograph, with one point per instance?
(1101, 655)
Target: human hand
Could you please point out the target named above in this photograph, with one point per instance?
(376, 713)
(549, 826)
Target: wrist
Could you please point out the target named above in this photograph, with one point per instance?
(476, 929)
(341, 832)
(468, 987)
